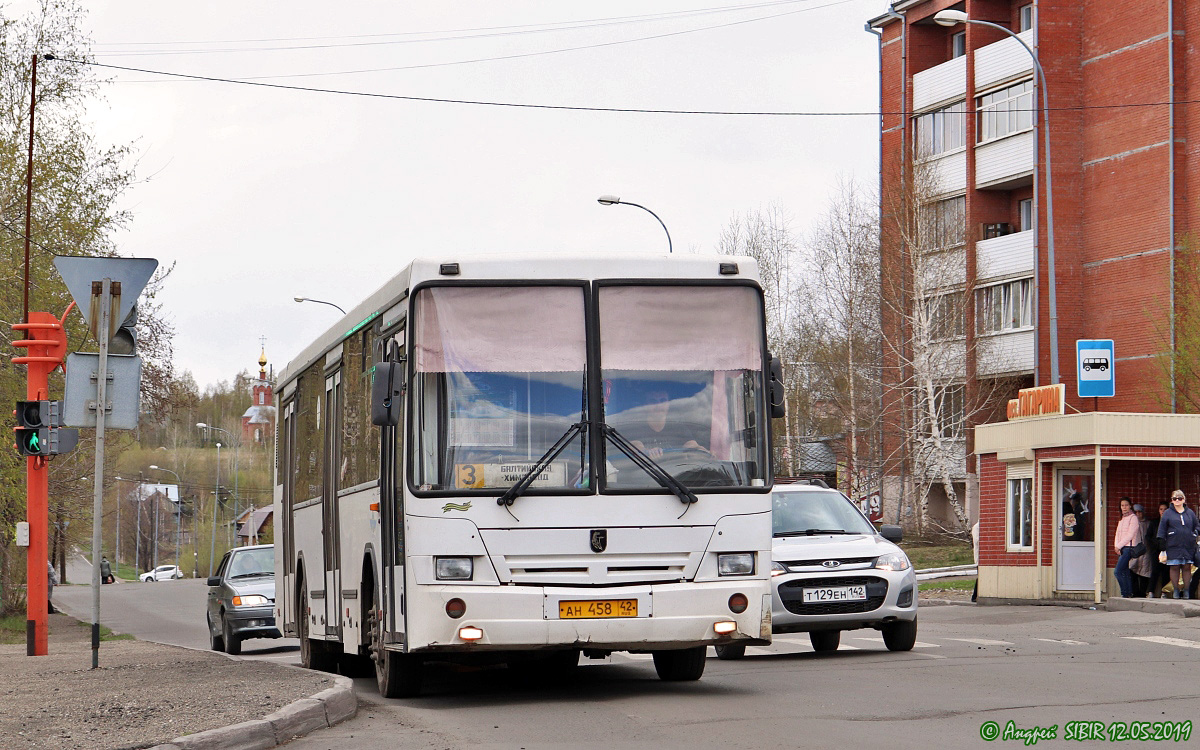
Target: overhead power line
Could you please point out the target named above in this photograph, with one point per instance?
(573, 108)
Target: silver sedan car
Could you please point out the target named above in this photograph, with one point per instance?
(241, 598)
(833, 571)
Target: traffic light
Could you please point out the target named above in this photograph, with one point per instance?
(37, 431)
(33, 428)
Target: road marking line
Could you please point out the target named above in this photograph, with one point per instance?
(981, 641)
(1163, 640)
(879, 639)
(1064, 641)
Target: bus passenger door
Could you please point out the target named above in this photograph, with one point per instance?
(330, 527)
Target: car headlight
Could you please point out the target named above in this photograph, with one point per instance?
(736, 564)
(893, 561)
(250, 600)
(453, 568)
(778, 569)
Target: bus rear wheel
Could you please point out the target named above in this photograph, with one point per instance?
(397, 675)
(680, 665)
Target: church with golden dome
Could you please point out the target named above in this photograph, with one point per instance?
(258, 422)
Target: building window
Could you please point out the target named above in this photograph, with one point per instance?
(1020, 514)
(1025, 215)
(942, 130)
(1005, 307)
(944, 223)
(1025, 17)
(1006, 111)
(945, 315)
(958, 44)
(948, 404)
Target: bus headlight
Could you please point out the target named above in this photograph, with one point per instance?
(736, 564)
(453, 568)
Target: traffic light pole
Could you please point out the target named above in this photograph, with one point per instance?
(45, 344)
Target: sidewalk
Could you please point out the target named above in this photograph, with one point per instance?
(151, 695)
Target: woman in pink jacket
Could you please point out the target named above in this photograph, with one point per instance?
(1129, 535)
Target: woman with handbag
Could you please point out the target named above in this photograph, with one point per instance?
(1128, 538)
(1179, 528)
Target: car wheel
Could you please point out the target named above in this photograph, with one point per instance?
(397, 675)
(900, 635)
(233, 641)
(730, 651)
(825, 640)
(680, 665)
(216, 641)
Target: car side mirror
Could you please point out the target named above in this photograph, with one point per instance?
(891, 532)
(214, 580)
(387, 390)
(776, 391)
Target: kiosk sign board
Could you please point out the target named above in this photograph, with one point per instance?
(1094, 359)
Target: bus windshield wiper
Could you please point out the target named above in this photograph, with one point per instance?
(650, 466)
(522, 484)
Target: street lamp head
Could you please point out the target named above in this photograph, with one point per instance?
(152, 466)
(218, 445)
(950, 18)
(201, 425)
(608, 200)
(300, 299)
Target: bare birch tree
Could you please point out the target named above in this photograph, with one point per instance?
(841, 292)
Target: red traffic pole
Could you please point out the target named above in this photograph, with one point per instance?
(46, 346)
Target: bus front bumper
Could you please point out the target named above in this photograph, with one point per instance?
(626, 618)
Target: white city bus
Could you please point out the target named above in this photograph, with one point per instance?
(526, 459)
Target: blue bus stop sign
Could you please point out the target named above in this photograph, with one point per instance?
(1094, 360)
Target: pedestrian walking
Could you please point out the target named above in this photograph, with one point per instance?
(106, 575)
(1179, 528)
(1128, 538)
(51, 580)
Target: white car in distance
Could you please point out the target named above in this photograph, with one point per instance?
(161, 573)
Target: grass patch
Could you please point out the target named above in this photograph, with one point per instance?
(12, 630)
(959, 584)
(938, 555)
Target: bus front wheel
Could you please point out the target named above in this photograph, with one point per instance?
(681, 664)
(397, 675)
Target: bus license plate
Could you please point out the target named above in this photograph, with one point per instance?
(599, 608)
(836, 594)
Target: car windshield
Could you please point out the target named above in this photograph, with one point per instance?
(798, 512)
(252, 562)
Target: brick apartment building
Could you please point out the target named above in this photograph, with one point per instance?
(963, 110)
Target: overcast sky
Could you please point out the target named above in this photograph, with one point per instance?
(262, 194)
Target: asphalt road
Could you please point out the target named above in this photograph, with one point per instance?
(1037, 666)
(165, 612)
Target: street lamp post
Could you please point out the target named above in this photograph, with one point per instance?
(612, 200)
(212, 546)
(178, 512)
(953, 18)
(236, 445)
(319, 301)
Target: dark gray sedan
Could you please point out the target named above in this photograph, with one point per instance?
(241, 598)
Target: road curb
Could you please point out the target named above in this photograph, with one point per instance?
(1181, 607)
(325, 709)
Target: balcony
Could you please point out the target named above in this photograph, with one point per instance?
(1005, 163)
(1007, 353)
(1002, 61)
(1000, 257)
(941, 83)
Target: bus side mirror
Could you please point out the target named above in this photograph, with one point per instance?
(387, 390)
(778, 408)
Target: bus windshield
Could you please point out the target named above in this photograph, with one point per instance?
(498, 379)
(682, 382)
